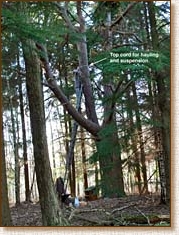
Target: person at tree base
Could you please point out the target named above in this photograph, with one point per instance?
(60, 189)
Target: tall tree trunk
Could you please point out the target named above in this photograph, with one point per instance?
(140, 138)
(26, 168)
(134, 140)
(147, 26)
(110, 163)
(5, 213)
(17, 161)
(16, 154)
(83, 154)
(84, 68)
(51, 213)
(73, 177)
(70, 162)
(109, 152)
(163, 104)
(53, 150)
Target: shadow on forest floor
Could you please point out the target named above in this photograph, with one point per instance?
(133, 210)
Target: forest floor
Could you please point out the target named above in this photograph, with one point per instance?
(133, 210)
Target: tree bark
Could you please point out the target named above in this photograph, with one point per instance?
(53, 149)
(16, 154)
(140, 138)
(26, 168)
(51, 213)
(84, 68)
(110, 162)
(83, 154)
(164, 114)
(133, 133)
(6, 216)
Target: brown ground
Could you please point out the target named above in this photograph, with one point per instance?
(132, 210)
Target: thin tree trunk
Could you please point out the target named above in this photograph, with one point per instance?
(134, 140)
(26, 168)
(140, 138)
(73, 131)
(73, 177)
(16, 156)
(17, 161)
(83, 154)
(53, 150)
(147, 26)
(84, 69)
(5, 213)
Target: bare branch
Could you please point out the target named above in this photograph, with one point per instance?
(148, 221)
(123, 208)
(129, 44)
(117, 21)
(63, 13)
(129, 33)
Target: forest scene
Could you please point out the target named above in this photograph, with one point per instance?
(86, 113)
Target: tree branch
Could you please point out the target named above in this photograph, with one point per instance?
(90, 126)
(63, 13)
(84, 69)
(130, 34)
(123, 208)
(83, 58)
(116, 94)
(117, 21)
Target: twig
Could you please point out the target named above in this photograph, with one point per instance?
(91, 210)
(75, 212)
(72, 213)
(123, 208)
(95, 221)
(147, 182)
(147, 218)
